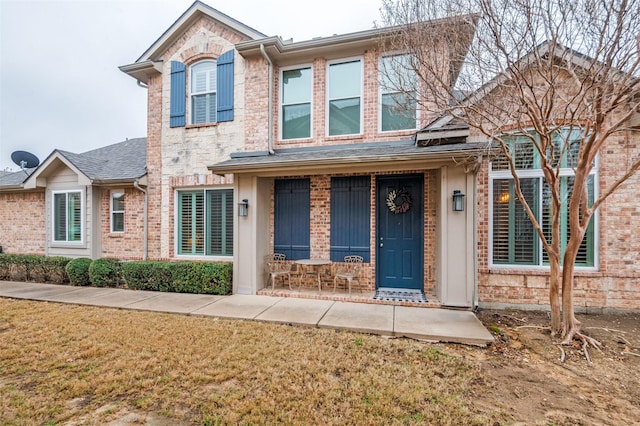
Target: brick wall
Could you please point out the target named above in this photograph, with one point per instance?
(256, 91)
(22, 215)
(127, 245)
(616, 282)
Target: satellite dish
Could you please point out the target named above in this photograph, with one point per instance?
(24, 159)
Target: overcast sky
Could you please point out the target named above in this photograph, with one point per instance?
(60, 86)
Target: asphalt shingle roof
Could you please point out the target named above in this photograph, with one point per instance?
(14, 178)
(121, 161)
(124, 160)
(353, 153)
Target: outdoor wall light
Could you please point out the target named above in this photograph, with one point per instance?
(243, 208)
(458, 201)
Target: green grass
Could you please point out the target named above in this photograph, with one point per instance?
(208, 371)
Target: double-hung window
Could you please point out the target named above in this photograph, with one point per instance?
(205, 222)
(117, 211)
(67, 216)
(296, 93)
(514, 239)
(345, 98)
(203, 92)
(397, 93)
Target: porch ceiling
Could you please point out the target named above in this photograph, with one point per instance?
(378, 156)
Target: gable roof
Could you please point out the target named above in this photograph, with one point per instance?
(147, 64)
(185, 20)
(123, 162)
(450, 120)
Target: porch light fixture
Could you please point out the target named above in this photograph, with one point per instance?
(458, 201)
(243, 208)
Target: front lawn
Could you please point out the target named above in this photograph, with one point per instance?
(61, 363)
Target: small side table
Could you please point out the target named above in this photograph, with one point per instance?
(313, 267)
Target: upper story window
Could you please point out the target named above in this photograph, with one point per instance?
(210, 93)
(397, 93)
(514, 239)
(203, 92)
(117, 211)
(345, 98)
(296, 96)
(67, 216)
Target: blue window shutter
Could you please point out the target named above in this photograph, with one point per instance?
(292, 218)
(225, 86)
(350, 217)
(178, 101)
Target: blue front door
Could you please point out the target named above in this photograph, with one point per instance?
(400, 232)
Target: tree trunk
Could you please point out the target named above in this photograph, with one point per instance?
(554, 297)
(570, 325)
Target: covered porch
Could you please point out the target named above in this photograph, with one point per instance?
(388, 202)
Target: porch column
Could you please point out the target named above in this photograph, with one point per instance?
(251, 242)
(456, 239)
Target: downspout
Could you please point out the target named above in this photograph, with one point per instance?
(146, 219)
(270, 138)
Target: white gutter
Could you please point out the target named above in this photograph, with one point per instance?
(270, 139)
(146, 219)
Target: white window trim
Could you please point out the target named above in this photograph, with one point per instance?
(175, 224)
(82, 218)
(281, 100)
(382, 92)
(190, 101)
(328, 99)
(537, 173)
(112, 211)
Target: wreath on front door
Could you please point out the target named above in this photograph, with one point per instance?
(399, 201)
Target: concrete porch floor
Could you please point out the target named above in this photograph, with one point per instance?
(342, 295)
(433, 324)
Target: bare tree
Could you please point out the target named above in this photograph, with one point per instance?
(561, 75)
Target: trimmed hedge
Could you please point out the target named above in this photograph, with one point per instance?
(33, 267)
(78, 271)
(147, 275)
(180, 277)
(105, 272)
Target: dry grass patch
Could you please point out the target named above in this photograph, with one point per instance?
(61, 363)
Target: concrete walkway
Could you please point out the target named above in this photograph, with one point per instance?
(419, 323)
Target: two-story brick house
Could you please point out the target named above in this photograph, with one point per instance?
(307, 137)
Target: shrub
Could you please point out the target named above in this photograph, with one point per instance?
(78, 271)
(53, 269)
(183, 277)
(202, 277)
(33, 267)
(105, 272)
(147, 275)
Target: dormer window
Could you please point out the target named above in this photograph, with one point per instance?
(203, 92)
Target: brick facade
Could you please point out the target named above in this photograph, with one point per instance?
(615, 282)
(22, 216)
(125, 245)
(178, 157)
